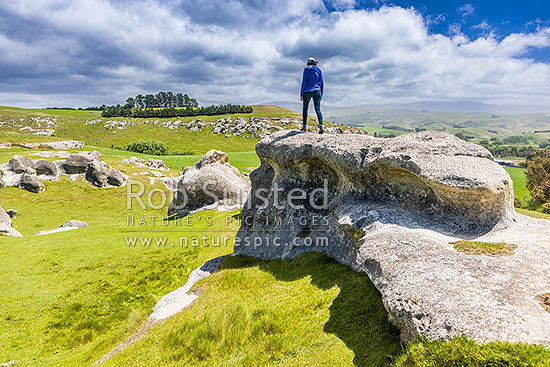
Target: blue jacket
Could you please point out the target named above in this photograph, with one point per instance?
(312, 80)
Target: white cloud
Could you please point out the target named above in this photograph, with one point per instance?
(484, 26)
(466, 10)
(87, 52)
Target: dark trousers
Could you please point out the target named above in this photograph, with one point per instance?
(316, 95)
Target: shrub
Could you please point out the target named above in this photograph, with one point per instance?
(118, 147)
(538, 179)
(148, 147)
(545, 208)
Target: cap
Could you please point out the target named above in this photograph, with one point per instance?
(311, 61)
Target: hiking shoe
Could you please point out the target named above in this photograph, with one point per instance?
(303, 128)
(321, 129)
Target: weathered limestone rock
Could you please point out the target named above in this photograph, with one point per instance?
(390, 208)
(100, 174)
(212, 183)
(48, 154)
(74, 223)
(18, 164)
(45, 167)
(28, 174)
(76, 163)
(157, 164)
(31, 182)
(67, 226)
(56, 145)
(6, 225)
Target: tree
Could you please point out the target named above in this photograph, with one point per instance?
(169, 102)
(186, 101)
(139, 101)
(538, 179)
(160, 99)
(179, 100)
(149, 101)
(130, 103)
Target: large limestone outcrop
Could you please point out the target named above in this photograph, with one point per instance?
(28, 174)
(211, 183)
(6, 225)
(391, 209)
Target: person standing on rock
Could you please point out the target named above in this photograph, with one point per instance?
(312, 87)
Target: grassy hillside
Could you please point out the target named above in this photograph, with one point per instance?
(305, 312)
(481, 125)
(68, 298)
(78, 125)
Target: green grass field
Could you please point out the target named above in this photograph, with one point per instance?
(72, 124)
(520, 181)
(68, 298)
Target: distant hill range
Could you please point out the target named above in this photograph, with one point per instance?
(457, 107)
(477, 120)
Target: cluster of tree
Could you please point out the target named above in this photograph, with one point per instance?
(517, 139)
(153, 147)
(117, 111)
(538, 181)
(380, 135)
(161, 99)
(464, 136)
(123, 111)
(517, 151)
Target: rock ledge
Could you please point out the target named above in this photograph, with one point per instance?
(391, 209)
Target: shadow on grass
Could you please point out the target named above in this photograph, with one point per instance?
(357, 315)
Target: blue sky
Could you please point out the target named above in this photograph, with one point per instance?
(89, 52)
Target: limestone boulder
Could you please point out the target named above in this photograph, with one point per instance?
(392, 208)
(74, 223)
(76, 163)
(46, 168)
(31, 182)
(157, 164)
(67, 226)
(6, 225)
(18, 164)
(212, 183)
(101, 174)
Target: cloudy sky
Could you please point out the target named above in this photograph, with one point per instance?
(89, 52)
